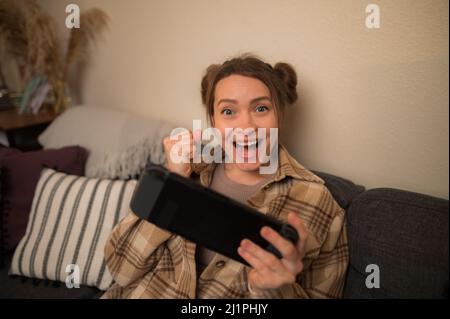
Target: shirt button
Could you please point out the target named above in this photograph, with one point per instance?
(220, 264)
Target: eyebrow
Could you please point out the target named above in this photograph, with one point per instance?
(252, 101)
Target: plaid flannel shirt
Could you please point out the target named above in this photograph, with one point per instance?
(148, 262)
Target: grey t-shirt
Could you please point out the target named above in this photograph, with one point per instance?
(239, 192)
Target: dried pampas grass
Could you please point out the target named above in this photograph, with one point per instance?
(29, 35)
(13, 37)
(94, 22)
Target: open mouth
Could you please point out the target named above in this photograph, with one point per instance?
(247, 150)
(247, 144)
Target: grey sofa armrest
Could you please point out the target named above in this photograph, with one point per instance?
(406, 235)
(343, 190)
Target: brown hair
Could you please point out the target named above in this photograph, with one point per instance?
(281, 80)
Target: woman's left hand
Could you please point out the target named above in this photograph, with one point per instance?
(269, 272)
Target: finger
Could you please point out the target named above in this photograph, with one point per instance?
(267, 276)
(267, 258)
(303, 232)
(252, 260)
(166, 141)
(185, 137)
(188, 142)
(284, 246)
(183, 142)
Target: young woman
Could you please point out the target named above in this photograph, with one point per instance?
(148, 262)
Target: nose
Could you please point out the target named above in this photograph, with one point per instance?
(246, 121)
(248, 124)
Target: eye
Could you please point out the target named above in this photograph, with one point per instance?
(227, 111)
(261, 108)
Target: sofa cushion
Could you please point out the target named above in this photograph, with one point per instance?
(70, 221)
(406, 235)
(343, 190)
(120, 144)
(22, 287)
(20, 174)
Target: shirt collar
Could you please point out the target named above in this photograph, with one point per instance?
(288, 166)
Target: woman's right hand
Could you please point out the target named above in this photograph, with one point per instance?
(184, 167)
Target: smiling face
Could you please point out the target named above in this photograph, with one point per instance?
(242, 102)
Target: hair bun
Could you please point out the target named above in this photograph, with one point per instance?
(287, 74)
(206, 81)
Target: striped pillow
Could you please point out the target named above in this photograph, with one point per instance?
(70, 221)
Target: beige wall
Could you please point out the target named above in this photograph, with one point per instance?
(375, 102)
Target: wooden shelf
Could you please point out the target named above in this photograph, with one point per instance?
(22, 130)
(11, 119)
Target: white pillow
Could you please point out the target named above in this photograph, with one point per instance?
(119, 144)
(70, 221)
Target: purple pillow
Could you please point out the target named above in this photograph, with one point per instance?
(20, 174)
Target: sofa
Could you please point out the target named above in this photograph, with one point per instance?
(397, 239)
